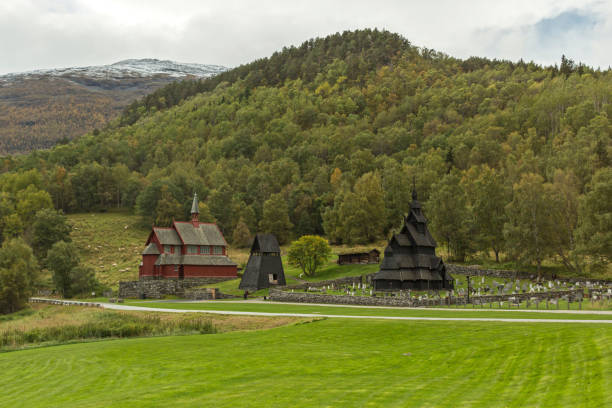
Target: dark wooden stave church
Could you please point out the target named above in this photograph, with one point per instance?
(410, 260)
(265, 267)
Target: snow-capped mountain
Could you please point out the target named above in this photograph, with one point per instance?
(38, 108)
(130, 68)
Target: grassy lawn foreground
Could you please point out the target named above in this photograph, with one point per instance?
(356, 311)
(332, 362)
(44, 325)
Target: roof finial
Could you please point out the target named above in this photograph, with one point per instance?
(195, 209)
(414, 193)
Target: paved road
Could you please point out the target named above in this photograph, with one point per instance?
(268, 302)
(115, 306)
(470, 319)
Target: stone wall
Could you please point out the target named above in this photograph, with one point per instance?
(157, 288)
(348, 280)
(206, 294)
(476, 270)
(303, 297)
(494, 273)
(451, 268)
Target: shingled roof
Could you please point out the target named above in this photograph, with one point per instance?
(167, 236)
(199, 234)
(410, 256)
(151, 249)
(265, 243)
(263, 261)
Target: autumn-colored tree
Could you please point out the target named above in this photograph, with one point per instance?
(168, 209)
(205, 214)
(18, 275)
(69, 276)
(241, 237)
(49, 227)
(309, 253)
(449, 216)
(594, 234)
(61, 259)
(275, 219)
(564, 210)
(530, 221)
(487, 195)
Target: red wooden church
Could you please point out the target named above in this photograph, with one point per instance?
(187, 250)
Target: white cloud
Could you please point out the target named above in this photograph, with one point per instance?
(53, 33)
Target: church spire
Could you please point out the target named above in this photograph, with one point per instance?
(414, 192)
(195, 210)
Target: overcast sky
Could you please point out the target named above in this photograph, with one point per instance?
(37, 34)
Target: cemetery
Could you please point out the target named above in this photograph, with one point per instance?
(482, 293)
(411, 275)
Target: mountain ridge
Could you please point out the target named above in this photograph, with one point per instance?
(131, 67)
(41, 107)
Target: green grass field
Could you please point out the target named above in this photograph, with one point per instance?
(359, 311)
(326, 363)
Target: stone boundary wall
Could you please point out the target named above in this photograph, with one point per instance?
(206, 294)
(494, 273)
(156, 288)
(302, 297)
(63, 302)
(451, 268)
(508, 274)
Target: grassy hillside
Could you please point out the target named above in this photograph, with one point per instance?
(112, 243)
(333, 362)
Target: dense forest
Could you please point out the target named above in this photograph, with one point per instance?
(510, 159)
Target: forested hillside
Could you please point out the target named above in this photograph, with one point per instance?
(509, 159)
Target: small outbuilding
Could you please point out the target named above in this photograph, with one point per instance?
(265, 267)
(370, 257)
